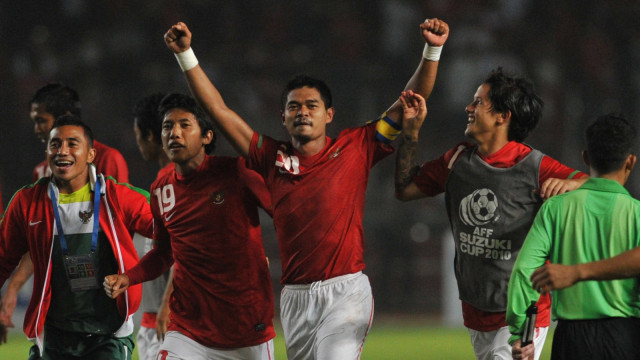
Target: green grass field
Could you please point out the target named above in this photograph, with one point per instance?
(387, 340)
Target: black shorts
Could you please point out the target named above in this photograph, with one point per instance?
(66, 345)
(608, 338)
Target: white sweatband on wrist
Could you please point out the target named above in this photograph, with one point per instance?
(187, 60)
(431, 53)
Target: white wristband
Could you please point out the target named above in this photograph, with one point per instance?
(187, 60)
(431, 52)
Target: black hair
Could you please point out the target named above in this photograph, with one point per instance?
(517, 95)
(189, 104)
(146, 116)
(74, 120)
(58, 99)
(300, 81)
(610, 139)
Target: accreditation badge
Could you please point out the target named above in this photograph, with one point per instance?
(81, 272)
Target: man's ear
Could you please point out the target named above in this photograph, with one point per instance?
(91, 155)
(631, 162)
(330, 112)
(282, 117)
(585, 158)
(505, 117)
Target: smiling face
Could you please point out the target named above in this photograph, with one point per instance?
(483, 122)
(69, 156)
(183, 140)
(42, 121)
(305, 115)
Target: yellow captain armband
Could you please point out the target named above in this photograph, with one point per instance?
(387, 129)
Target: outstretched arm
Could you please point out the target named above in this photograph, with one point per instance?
(232, 126)
(555, 276)
(414, 112)
(435, 32)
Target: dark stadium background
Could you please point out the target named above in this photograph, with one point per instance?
(583, 56)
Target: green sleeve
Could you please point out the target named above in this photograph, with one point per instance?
(533, 254)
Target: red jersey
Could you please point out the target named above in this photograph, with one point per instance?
(108, 161)
(432, 179)
(318, 201)
(208, 223)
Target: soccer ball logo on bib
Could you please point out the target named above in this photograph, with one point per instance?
(479, 208)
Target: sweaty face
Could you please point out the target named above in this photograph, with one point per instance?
(182, 138)
(481, 118)
(69, 156)
(42, 121)
(305, 115)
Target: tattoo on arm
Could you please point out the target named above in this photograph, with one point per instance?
(405, 168)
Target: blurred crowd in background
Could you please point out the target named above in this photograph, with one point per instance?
(582, 55)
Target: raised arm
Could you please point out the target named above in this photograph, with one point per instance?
(232, 126)
(414, 112)
(435, 32)
(555, 276)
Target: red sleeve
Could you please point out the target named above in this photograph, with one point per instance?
(135, 205)
(551, 168)
(432, 177)
(14, 238)
(160, 258)
(112, 163)
(255, 184)
(260, 150)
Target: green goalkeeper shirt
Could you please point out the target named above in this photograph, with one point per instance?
(597, 221)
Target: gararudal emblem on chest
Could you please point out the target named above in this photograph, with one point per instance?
(85, 216)
(217, 197)
(335, 153)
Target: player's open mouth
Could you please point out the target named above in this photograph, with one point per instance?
(63, 163)
(175, 146)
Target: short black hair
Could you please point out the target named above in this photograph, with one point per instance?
(517, 95)
(58, 99)
(146, 116)
(300, 81)
(610, 139)
(189, 104)
(74, 120)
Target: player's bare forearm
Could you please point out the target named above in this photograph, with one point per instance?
(556, 276)
(422, 82)
(405, 168)
(624, 265)
(178, 39)
(435, 33)
(22, 273)
(232, 126)
(163, 311)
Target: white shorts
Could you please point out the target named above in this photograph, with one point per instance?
(147, 343)
(178, 346)
(327, 319)
(490, 345)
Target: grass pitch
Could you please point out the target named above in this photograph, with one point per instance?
(387, 340)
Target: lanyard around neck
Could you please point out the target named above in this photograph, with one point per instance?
(96, 218)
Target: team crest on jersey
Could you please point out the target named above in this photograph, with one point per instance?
(335, 153)
(85, 216)
(218, 197)
(287, 164)
(479, 208)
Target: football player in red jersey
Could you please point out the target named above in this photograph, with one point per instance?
(207, 224)
(317, 187)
